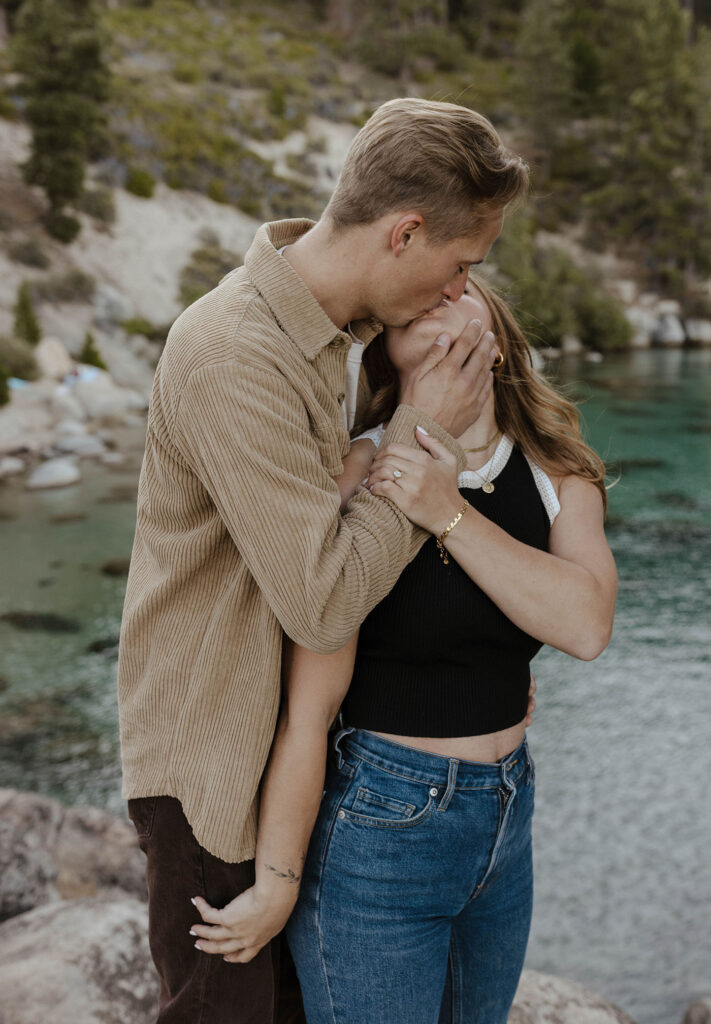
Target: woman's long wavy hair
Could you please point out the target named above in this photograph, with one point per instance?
(540, 421)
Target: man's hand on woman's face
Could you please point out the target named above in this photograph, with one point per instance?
(454, 380)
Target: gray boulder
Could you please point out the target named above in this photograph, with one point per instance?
(64, 405)
(54, 473)
(644, 324)
(110, 305)
(571, 345)
(53, 359)
(669, 330)
(77, 445)
(699, 1012)
(49, 851)
(545, 999)
(26, 422)
(698, 331)
(10, 465)
(80, 962)
(101, 397)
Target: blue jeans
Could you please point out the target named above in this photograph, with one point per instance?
(416, 899)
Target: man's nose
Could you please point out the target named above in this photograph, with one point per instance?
(454, 289)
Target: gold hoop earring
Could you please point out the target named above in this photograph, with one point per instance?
(499, 361)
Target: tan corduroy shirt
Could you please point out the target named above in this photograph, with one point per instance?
(239, 537)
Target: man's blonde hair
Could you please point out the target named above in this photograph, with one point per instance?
(438, 159)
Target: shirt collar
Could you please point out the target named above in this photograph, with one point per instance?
(294, 307)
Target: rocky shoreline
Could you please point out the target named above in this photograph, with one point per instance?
(73, 937)
(70, 413)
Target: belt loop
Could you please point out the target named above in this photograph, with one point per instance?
(337, 739)
(451, 780)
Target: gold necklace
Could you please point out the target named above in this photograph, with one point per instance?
(484, 446)
(486, 485)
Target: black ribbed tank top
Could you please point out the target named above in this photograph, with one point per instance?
(437, 657)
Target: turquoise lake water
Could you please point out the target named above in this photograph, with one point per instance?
(623, 815)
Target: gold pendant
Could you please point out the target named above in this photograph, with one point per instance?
(487, 487)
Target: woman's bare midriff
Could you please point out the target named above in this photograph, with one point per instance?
(490, 747)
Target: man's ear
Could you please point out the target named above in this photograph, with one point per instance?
(404, 232)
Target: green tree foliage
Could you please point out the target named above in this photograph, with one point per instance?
(57, 48)
(618, 100)
(89, 354)
(26, 323)
(552, 296)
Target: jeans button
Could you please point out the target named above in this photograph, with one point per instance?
(433, 791)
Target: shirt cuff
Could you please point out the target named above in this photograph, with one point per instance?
(401, 430)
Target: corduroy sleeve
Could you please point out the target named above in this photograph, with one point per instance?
(245, 432)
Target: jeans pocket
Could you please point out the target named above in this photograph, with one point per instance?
(371, 804)
(141, 811)
(386, 800)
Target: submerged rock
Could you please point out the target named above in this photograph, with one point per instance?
(80, 962)
(545, 999)
(116, 567)
(47, 622)
(104, 645)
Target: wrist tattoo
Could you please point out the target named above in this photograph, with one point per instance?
(289, 875)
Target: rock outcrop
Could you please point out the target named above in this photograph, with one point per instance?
(74, 949)
(699, 1012)
(84, 961)
(49, 851)
(545, 999)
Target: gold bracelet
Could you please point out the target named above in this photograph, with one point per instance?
(440, 539)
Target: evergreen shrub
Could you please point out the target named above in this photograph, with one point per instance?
(30, 252)
(70, 286)
(140, 182)
(62, 226)
(18, 357)
(89, 354)
(27, 326)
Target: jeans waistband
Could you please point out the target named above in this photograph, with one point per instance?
(422, 766)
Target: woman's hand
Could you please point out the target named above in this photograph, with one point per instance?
(421, 482)
(244, 926)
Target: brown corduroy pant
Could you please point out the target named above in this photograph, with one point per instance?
(195, 987)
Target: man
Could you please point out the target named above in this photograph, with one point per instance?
(239, 536)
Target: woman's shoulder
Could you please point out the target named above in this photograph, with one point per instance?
(549, 487)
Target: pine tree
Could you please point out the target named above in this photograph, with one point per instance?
(26, 323)
(546, 71)
(656, 139)
(89, 354)
(57, 49)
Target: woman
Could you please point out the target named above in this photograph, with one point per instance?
(416, 895)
